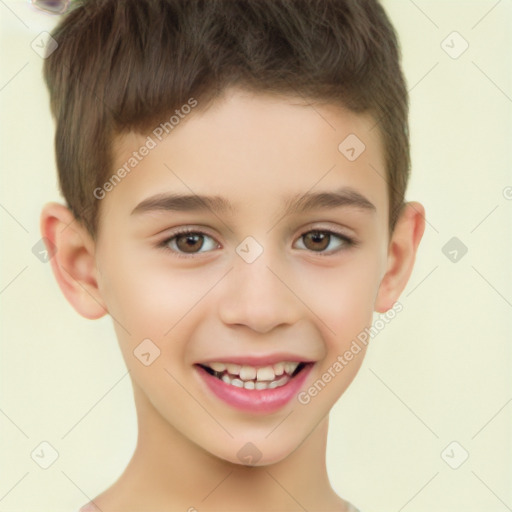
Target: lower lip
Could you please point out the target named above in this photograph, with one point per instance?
(255, 400)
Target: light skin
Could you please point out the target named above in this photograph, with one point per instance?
(310, 297)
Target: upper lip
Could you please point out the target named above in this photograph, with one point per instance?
(258, 360)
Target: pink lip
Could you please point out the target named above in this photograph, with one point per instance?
(257, 361)
(263, 401)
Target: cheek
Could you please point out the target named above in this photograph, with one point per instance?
(148, 299)
(154, 306)
(343, 301)
(158, 303)
(343, 297)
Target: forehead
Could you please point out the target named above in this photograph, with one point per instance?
(256, 151)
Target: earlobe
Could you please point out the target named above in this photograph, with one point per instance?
(73, 260)
(401, 256)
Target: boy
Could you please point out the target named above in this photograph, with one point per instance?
(204, 148)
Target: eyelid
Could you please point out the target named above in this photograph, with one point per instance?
(349, 241)
(338, 230)
(184, 230)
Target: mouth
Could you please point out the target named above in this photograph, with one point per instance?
(257, 389)
(252, 377)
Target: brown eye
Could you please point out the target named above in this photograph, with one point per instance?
(317, 240)
(189, 242)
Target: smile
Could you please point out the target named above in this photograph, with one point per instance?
(262, 389)
(251, 377)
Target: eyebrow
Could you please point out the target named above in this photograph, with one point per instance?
(297, 204)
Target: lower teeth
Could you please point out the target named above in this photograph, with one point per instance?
(251, 384)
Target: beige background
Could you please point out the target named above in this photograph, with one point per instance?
(440, 372)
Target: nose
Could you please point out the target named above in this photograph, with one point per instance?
(259, 295)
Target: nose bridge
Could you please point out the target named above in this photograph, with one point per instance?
(258, 294)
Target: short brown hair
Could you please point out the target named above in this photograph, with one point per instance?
(124, 65)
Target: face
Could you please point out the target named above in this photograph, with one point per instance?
(229, 310)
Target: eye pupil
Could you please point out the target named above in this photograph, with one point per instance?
(317, 237)
(191, 242)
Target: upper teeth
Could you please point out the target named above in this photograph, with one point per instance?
(265, 373)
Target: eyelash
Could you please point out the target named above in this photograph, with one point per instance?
(349, 242)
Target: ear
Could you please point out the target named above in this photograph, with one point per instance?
(72, 251)
(401, 255)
